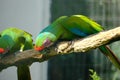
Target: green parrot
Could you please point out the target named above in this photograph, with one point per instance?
(71, 27)
(14, 40)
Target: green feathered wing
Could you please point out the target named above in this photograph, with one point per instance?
(83, 26)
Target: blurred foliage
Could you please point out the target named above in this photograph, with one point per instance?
(93, 75)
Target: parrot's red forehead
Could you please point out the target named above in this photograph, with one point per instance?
(2, 50)
(38, 48)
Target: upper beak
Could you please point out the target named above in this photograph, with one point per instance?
(38, 48)
(2, 50)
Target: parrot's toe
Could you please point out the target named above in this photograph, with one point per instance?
(21, 50)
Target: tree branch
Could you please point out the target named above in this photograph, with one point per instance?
(65, 47)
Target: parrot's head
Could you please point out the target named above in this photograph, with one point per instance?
(4, 46)
(44, 40)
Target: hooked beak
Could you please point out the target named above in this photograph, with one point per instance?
(38, 48)
(2, 51)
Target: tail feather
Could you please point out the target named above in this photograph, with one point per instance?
(109, 54)
(23, 72)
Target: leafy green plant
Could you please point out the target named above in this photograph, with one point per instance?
(93, 75)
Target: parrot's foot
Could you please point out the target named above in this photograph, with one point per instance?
(21, 50)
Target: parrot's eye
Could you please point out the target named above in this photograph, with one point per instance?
(47, 43)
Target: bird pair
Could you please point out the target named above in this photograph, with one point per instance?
(65, 27)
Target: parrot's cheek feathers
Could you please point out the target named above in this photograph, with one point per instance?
(38, 48)
(2, 50)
